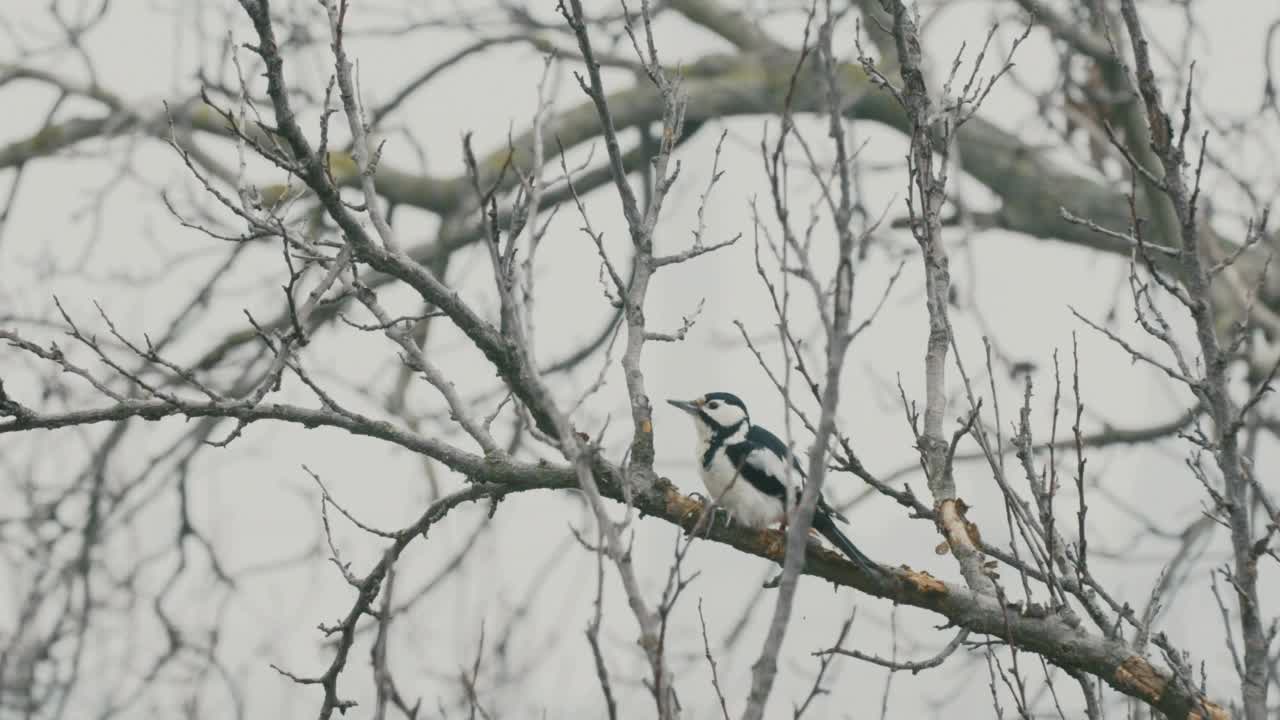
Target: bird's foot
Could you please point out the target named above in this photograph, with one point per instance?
(697, 514)
(813, 533)
(726, 516)
(717, 514)
(708, 515)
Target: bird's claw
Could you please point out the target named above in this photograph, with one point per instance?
(726, 514)
(702, 500)
(708, 515)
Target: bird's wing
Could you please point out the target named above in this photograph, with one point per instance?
(760, 466)
(760, 436)
(764, 438)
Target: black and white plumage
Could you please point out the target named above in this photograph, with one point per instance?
(744, 468)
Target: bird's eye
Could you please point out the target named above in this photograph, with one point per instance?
(713, 404)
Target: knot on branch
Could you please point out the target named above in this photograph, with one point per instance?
(1137, 673)
(12, 408)
(923, 583)
(1137, 677)
(953, 523)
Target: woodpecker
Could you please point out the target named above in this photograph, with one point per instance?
(744, 468)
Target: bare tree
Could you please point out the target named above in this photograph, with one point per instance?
(284, 358)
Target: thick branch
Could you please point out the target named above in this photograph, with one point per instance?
(1060, 642)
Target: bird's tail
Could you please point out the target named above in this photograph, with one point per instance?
(825, 525)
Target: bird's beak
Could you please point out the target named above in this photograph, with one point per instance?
(688, 406)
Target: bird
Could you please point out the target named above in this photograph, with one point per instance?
(744, 468)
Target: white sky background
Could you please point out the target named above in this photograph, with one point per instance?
(260, 507)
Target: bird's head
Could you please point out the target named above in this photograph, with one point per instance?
(715, 412)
